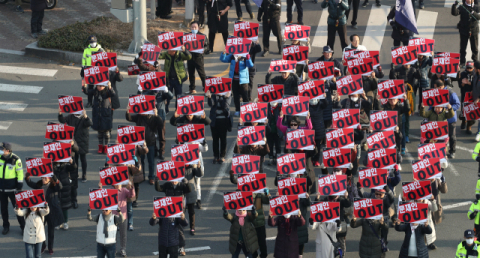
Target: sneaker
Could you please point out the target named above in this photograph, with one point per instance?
(477, 137)
(463, 125)
(432, 246)
(272, 162)
(192, 231)
(65, 226)
(422, 6)
(265, 53)
(365, 4)
(403, 151)
(43, 248)
(166, 17)
(199, 204)
(451, 155)
(288, 22)
(238, 114)
(5, 230)
(221, 161)
(316, 164)
(50, 251)
(134, 204)
(240, 19)
(182, 251)
(130, 228)
(42, 32)
(58, 227)
(34, 35)
(407, 140)
(84, 180)
(19, 9)
(354, 26)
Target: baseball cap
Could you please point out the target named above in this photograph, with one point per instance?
(469, 233)
(327, 49)
(6, 146)
(380, 191)
(469, 64)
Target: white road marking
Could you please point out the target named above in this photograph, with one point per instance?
(27, 71)
(321, 34)
(426, 21)
(12, 106)
(271, 238)
(193, 249)
(20, 88)
(5, 125)
(452, 206)
(376, 24)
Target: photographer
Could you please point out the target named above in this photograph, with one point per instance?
(468, 28)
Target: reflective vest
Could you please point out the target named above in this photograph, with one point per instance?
(87, 54)
(473, 208)
(476, 151)
(11, 173)
(462, 251)
(477, 189)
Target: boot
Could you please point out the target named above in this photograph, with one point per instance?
(469, 130)
(105, 149)
(100, 149)
(463, 125)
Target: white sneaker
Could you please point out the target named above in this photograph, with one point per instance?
(477, 137)
(65, 226)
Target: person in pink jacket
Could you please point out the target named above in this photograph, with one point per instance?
(293, 122)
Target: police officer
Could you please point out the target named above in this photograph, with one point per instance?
(92, 47)
(197, 61)
(468, 28)
(473, 215)
(11, 179)
(270, 10)
(465, 85)
(468, 248)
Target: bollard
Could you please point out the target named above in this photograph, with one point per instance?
(139, 25)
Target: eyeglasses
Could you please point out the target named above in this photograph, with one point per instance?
(293, 124)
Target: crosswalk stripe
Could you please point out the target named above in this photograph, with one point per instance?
(12, 106)
(448, 3)
(27, 71)
(321, 34)
(376, 27)
(20, 88)
(426, 23)
(283, 20)
(5, 125)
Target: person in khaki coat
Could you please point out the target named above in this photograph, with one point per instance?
(243, 236)
(437, 113)
(34, 232)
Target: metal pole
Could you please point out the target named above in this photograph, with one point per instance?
(189, 11)
(139, 25)
(153, 5)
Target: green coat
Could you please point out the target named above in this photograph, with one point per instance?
(432, 116)
(336, 12)
(177, 60)
(248, 232)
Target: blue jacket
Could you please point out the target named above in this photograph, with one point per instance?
(454, 102)
(242, 67)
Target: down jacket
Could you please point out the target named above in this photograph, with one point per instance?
(420, 232)
(168, 233)
(286, 246)
(249, 233)
(101, 109)
(62, 172)
(34, 231)
(243, 66)
(81, 133)
(190, 174)
(370, 246)
(55, 217)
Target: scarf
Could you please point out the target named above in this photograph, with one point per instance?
(105, 224)
(241, 218)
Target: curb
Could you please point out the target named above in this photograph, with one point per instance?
(32, 50)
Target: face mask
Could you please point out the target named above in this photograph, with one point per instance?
(94, 44)
(194, 31)
(354, 99)
(78, 116)
(469, 241)
(314, 101)
(287, 216)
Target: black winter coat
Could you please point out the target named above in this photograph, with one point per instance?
(398, 32)
(168, 233)
(38, 5)
(55, 217)
(467, 87)
(214, 25)
(216, 102)
(290, 85)
(467, 24)
(81, 134)
(408, 76)
(62, 172)
(169, 190)
(434, 77)
(316, 115)
(153, 125)
(420, 232)
(114, 78)
(101, 109)
(270, 10)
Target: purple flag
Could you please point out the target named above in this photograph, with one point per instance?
(405, 15)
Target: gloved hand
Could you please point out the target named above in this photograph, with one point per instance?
(310, 220)
(393, 25)
(248, 56)
(267, 192)
(185, 181)
(477, 196)
(54, 178)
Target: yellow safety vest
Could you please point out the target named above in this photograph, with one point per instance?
(87, 54)
(11, 173)
(462, 251)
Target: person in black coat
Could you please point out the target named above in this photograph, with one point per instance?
(399, 33)
(271, 10)
(81, 136)
(114, 77)
(316, 108)
(168, 234)
(101, 113)
(254, 49)
(38, 10)
(51, 187)
(420, 232)
(274, 136)
(217, 21)
(465, 84)
(221, 122)
(197, 63)
(467, 27)
(289, 81)
(62, 172)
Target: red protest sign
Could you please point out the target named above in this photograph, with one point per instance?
(332, 184)
(251, 135)
(300, 139)
(346, 118)
(256, 183)
(194, 42)
(471, 112)
(373, 178)
(426, 169)
(283, 65)
(105, 59)
(296, 32)
(71, 104)
(172, 40)
(191, 133)
(133, 70)
(30, 199)
(432, 150)
(417, 190)
(360, 66)
(168, 207)
(350, 84)
(218, 85)
(434, 130)
(245, 29)
(171, 171)
(383, 120)
(238, 46)
(321, 70)
(291, 163)
(254, 112)
(188, 153)
(130, 134)
(292, 186)
(39, 167)
(270, 92)
(435, 98)
(295, 105)
(375, 55)
(447, 54)
(391, 89)
(96, 75)
(295, 53)
(57, 151)
(382, 158)
(245, 164)
(59, 132)
(238, 200)
(142, 104)
(445, 65)
(340, 138)
(150, 53)
(367, 208)
(325, 211)
(381, 140)
(190, 105)
(103, 199)
(404, 55)
(284, 205)
(153, 81)
(413, 212)
(121, 154)
(312, 89)
(347, 54)
(116, 175)
(424, 46)
(337, 158)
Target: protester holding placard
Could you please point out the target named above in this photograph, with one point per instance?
(289, 80)
(197, 63)
(399, 33)
(217, 19)
(62, 172)
(168, 234)
(354, 38)
(370, 244)
(221, 122)
(274, 136)
(467, 27)
(434, 77)
(465, 79)
(402, 110)
(243, 236)
(115, 76)
(34, 233)
(123, 195)
(437, 113)
(413, 243)
(255, 48)
(270, 11)
(240, 74)
(260, 150)
(107, 224)
(286, 242)
(424, 65)
(370, 87)
(51, 187)
(87, 62)
(316, 108)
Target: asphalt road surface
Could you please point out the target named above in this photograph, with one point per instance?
(28, 100)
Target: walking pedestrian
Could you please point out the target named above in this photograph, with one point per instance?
(107, 224)
(168, 234)
(34, 235)
(38, 11)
